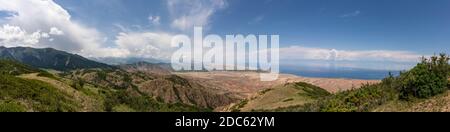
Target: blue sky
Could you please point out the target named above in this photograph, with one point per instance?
(413, 25)
(376, 28)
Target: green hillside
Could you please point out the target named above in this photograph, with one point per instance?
(11, 67)
(423, 88)
(30, 95)
(291, 94)
(49, 58)
(17, 94)
(167, 89)
(40, 91)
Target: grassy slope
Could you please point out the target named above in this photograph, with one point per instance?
(127, 95)
(40, 91)
(88, 101)
(366, 98)
(439, 103)
(376, 98)
(19, 94)
(372, 98)
(283, 96)
(423, 88)
(10, 67)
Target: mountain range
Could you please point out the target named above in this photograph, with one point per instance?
(49, 58)
(124, 60)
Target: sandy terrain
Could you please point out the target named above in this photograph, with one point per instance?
(246, 84)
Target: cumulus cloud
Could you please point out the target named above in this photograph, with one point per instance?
(55, 31)
(145, 44)
(189, 13)
(40, 15)
(54, 27)
(184, 16)
(333, 58)
(16, 36)
(307, 53)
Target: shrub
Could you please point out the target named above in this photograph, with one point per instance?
(427, 79)
(237, 107)
(311, 91)
(78, 83)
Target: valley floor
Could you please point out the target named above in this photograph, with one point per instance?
(248, 83)
(248, 87)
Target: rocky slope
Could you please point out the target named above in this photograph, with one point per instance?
(166, 88)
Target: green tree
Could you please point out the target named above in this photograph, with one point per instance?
(78, 83)
(428, 78)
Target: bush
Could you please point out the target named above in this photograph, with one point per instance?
(237, 107)
(427, 79)
(363, 99)
(311, 91)
(78, 83)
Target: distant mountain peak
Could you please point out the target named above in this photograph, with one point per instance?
(49, 58)
(142, 66)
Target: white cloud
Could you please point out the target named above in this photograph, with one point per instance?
(154, 20)
(55, 31)
(365, 59)
(189, 13)
(351, 14)
(184, 14)
(45, 35)
(63, 33)
(52, 26)
(46, 15)
(306, 53)
(15, 36)
(145, 44)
